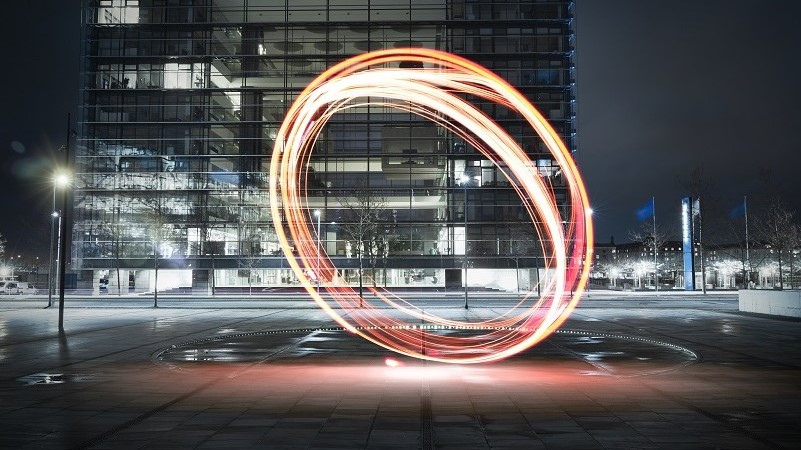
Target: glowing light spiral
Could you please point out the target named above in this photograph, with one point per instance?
(436, 92)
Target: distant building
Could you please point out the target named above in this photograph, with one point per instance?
(727, 266)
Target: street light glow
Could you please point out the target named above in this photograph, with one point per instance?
(61, 180)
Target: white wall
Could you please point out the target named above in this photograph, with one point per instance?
(776, 303)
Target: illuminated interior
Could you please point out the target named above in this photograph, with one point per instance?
(182, 105)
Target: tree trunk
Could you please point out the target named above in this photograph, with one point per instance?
(745, 276)
(211, 275)
(156, 277)
(361, 287)
(119, 286)
(116, 231)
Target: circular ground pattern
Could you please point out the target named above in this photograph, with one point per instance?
(573, 351)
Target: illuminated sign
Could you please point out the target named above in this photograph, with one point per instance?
(687, 243)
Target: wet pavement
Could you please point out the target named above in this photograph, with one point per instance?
(625, 371)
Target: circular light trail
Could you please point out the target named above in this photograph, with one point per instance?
(436, 92)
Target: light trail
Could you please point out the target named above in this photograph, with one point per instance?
(435, 92)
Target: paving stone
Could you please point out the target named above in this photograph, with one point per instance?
(605, 388)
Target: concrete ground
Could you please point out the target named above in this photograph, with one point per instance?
(671, 371)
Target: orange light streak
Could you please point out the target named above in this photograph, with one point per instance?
(433, 93)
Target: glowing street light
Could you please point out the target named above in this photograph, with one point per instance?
(60, 181)
(63, 223)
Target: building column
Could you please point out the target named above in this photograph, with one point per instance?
(201, 284)
(113, 286)
(96, 282)
(143, 279)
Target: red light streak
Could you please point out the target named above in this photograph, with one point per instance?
(433, 93)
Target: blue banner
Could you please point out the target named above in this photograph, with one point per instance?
(738, 211)
(646, 211)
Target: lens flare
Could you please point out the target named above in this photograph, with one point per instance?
(437, 92)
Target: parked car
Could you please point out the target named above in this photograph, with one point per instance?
(9, 288)
(28, 288)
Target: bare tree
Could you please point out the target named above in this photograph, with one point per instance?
(776, 228)
(742, 247)
(739, 249)
(523, 242)
(114, 231)
(205, 245)
(158, 229)
(363, 215)
(250, 250)
(652, 237)
(774, 224)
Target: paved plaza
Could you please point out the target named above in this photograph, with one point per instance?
(673, 371)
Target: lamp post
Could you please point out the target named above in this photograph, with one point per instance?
(53, 216)
(463, 180)
(60, 181)
(317, 214)
(11, 266)
(63, 223)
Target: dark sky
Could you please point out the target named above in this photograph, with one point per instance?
(41, 43)
(663, 87)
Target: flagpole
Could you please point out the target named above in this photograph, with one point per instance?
(701, 246)
(656, 269)
(747, 254)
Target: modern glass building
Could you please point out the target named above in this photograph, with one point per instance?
(181, 102)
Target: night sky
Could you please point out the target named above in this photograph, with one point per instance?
(663, 87)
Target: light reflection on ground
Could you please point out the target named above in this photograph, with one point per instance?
(569, 351)
(612, 386)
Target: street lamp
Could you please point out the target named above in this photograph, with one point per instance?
(63, 224)
(317, 214)
(11, 266)
(59, 181)
(53, 216)
(463, 181)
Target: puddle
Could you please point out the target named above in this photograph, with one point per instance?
(55, 378)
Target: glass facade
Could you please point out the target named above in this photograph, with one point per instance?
(181, 101)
